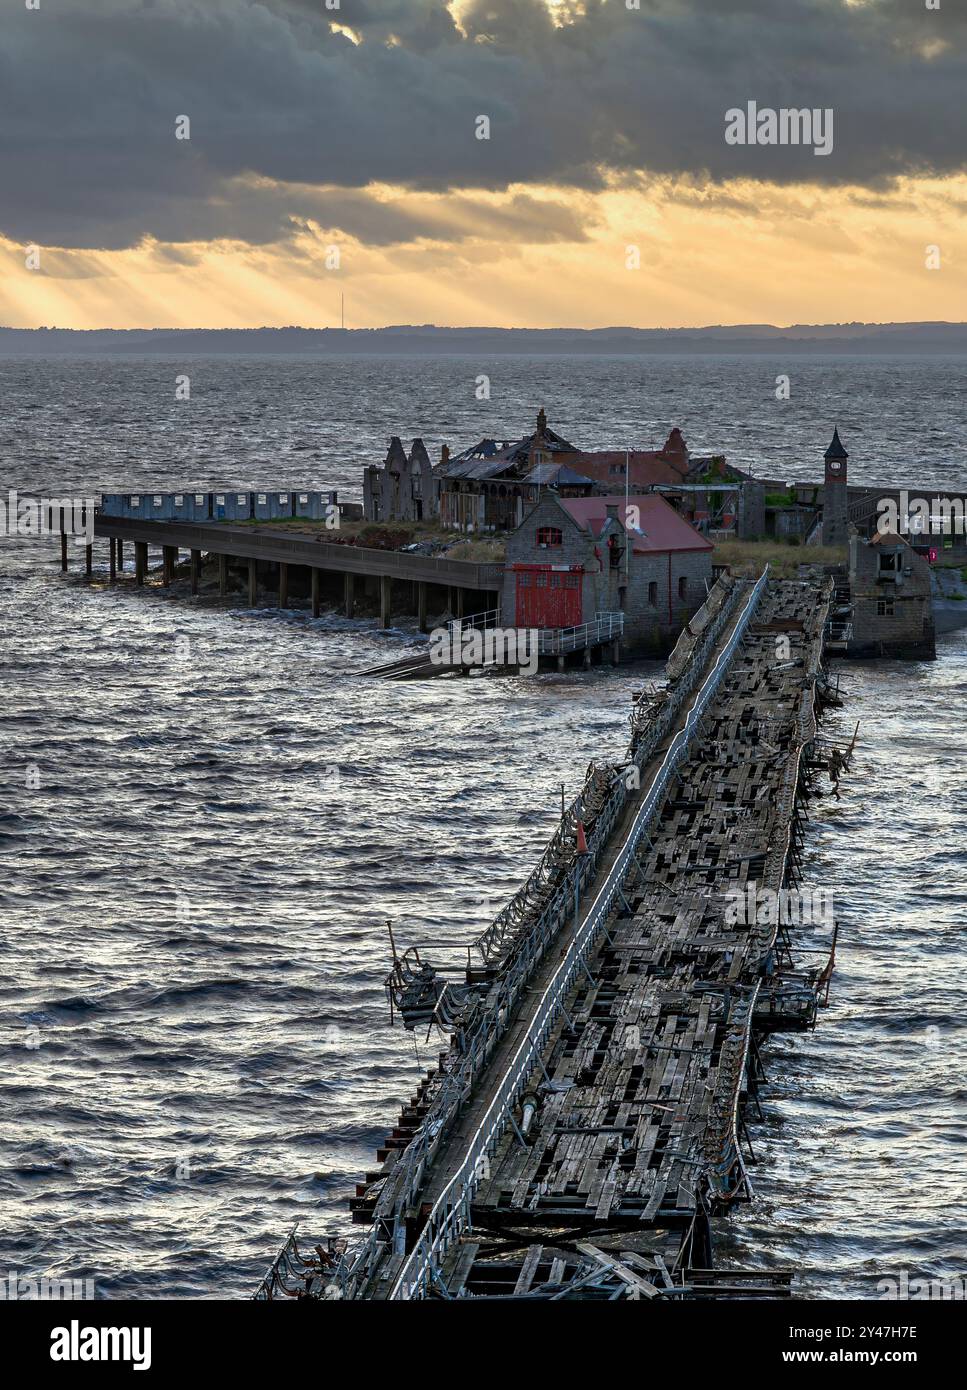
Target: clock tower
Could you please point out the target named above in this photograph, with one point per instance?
(835, 494)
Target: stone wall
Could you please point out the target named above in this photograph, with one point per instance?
(908, 630)
(751, 520)
(655, 625)
(404, 489)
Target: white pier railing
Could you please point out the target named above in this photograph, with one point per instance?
(555, 641)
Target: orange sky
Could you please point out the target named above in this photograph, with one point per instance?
(742, 253)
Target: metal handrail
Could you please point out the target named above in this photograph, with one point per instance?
(474, 622)
(451, 1211)
(562, 639)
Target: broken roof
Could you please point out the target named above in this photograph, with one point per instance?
(476, 466)
(647, 466)
(557, 475)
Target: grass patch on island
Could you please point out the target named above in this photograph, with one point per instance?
(751, 557)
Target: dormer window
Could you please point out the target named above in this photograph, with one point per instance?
(550, 536)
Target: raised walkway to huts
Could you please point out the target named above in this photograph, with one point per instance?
(464, 584)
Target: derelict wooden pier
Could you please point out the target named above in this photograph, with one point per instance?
(590, 1121)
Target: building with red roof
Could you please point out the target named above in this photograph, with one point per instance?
(573, 558)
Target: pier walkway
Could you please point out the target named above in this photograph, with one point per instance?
(588, 1123)
(284, 550)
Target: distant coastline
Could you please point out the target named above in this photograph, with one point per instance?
(852, 338)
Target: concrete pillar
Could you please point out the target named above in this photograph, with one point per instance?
(385, 606)
(169, 558)
(460, 607)
(89, 560)
(195, 570)
(120, 546)
(421, 604)
(560, 661)
(140, 561)
(349, 594)
(113, 559)
(253, 584)
(316, 591)
(223, 575)
(63, 552)
(615, 652)
(587, 658)
(283, 584)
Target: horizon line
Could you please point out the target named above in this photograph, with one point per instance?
(498, 328)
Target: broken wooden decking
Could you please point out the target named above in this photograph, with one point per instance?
(625, 1138)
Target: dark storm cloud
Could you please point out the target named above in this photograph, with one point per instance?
(89, 96)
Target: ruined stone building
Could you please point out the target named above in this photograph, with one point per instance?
(404, 489)
(890, 589)
(489, 486)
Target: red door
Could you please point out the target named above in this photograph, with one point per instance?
(547, 598)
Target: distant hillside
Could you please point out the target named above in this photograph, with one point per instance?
(853, 338)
